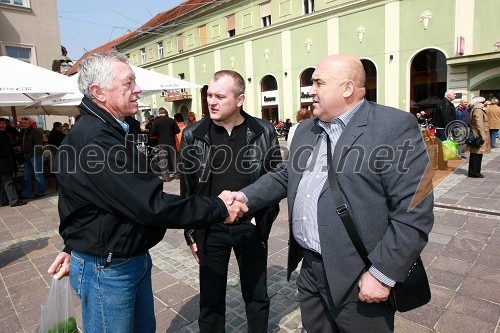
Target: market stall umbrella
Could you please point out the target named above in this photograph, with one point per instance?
(150, 82)
(21, 83)
(47, 110)
(154, 82)
(430, 102)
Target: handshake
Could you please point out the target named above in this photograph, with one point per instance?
(235, 204)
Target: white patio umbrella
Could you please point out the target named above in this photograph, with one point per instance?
(154, 82)
(22, 83)
(150, 82)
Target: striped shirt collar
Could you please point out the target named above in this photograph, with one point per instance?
(343, 118)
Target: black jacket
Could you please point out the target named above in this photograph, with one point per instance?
(165, 128)
(109, 200)
(31, 142)
(55, 137)
(7, 158)
(196, 173)
(445, 113)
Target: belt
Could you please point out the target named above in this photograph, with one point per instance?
(314, 254)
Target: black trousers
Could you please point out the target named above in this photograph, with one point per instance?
(319, 314)
(251, 255)
(475, 161)
(8, 193)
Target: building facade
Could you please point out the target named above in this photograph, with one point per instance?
(411, 49)
(29, 31)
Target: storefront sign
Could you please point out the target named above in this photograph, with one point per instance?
(269, 97)
(304, 96)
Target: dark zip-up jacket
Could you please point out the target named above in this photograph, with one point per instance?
(196, 160)
(109, 200)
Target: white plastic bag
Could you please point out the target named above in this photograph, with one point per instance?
(58, 310)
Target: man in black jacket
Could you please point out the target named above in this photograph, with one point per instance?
(112, 207)
(229, 150)
(165, 129)
(31, 141)
(56, 134)
(8, 165)
(444, 115)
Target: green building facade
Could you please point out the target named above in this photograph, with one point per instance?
(411, 49)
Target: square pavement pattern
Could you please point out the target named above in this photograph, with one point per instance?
(462, 260)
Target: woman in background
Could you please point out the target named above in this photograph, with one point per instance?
(301, 115)
(479, 125)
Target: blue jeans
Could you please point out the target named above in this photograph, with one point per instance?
(33, 169)
(493, 136)
(117, 298)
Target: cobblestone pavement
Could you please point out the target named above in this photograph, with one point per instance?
(462, 260)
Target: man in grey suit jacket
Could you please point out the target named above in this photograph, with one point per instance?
(380, 159)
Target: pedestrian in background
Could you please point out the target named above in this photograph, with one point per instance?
(191, 118)
(56, 135)
(31, 142)
(443, 115)
(165, 129)
(493, 112)
(479, 125)
(8, 165)
(113, 212)
(301, 115)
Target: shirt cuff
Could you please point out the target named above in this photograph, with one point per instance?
(381, 277)
(246, 198)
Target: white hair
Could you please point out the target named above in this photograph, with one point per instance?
(96, 69)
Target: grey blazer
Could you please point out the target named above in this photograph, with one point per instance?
(381, 159)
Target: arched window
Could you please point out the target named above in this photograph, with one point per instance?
(204, 103)
(371, 80)
(269, 100)
(427, 79)
(305, 86)
(269, 83)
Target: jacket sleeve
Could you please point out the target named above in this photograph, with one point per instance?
(139, 195)
(188, 179)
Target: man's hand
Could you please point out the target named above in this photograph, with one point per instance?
(235, 196)
(236, 209)
(60, 266)
(194, 251)
(372, 290)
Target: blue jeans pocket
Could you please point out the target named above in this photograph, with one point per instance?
(76, 274)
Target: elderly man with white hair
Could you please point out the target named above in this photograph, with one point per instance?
(444, 114)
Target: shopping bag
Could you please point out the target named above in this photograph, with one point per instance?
(58, 310)
(450, 150)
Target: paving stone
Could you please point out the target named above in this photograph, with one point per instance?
(485, 272)
(443, 278)
(11, 324)
(481, 289)
(427, 315)
(175, 293)
(452, 322)
(470, 306)
(402, 325)
(451, 265)
(441, 296)
(444, 230)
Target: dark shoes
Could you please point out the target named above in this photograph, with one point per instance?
(476, 176)
(19, 203)
(38, 196)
